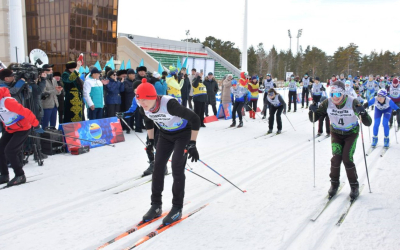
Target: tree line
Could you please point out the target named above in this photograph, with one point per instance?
(314, 61)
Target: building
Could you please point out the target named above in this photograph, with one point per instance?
(64, 29)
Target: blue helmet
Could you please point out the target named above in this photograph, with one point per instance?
(234, 82)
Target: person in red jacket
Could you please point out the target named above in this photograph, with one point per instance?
(17, 122)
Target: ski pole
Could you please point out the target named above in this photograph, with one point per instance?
(122, 119)
(395, 132)
(243, 191)
(203, 177)
(290, 122)
(255, 112)
(314, 145)
(76, 138)
(365, 158)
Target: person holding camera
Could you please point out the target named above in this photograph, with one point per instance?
(17, 121)
(49, 98)
(16, 88)
(73, 103)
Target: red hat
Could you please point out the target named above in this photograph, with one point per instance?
(146, 91)
(395, 81)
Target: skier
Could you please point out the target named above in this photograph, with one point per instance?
(317, 90)
(394, 94)
(267, 85)
(383, 83)
(293, 84)
(383, 106)
(178, 127)
(343, 112)
(276, 105)
(305, 92)
(371, 87)
(17, 122)
(349, 90)
(238, 97)
(254, 90)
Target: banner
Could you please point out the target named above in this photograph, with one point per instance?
(225, 111)
(95, 133)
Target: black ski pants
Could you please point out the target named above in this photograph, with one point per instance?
(343, 148)
(156, 136)
(237, 107)
(395, 113)
(253, 105)
(316, 99)
(294, 95)
(166, 145)
(10, 149)
(138, 121)
(278, 111)
(304, 93)
(321, 125)
(190, 102)
(199, 110)
(264, 111)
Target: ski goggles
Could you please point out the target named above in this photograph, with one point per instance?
(381, 96)
(338, 94)
(271, 94)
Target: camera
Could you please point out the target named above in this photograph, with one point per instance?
(45, 96)
(27, 71)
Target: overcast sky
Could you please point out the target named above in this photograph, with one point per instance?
(326, 24)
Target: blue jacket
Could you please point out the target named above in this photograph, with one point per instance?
(133, 106)
(114, 89)
(161, 87)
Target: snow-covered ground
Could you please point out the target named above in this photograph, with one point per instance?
(67, 208)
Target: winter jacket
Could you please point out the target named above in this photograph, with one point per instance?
(129, 93)
(199, 90)
(185, 90)
(133, 106)
(226, 91)
(22, 120)
(51, 101)
(114, 89)
(37, 91)
(212, 89)
(161, 87)
(17, 91)
(174, 88)
(243, 81)
(191, 78)
(93, 92)
(254, 91)
(239, 94)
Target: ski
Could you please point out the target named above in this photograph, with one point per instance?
(162, 228)
(370, 150)
(134, 186)
(314, 137)
(5, 187)
(323, 138)
(262, 135)
(123, 182)
(383, 151)
(275, 134)
(343, 216)
(135, 228)
(328, 200)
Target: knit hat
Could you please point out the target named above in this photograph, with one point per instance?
(317, 78)
(254, 78)
(382, 92)
(94, 71)
(141, 68)
(110, 73)
(57, 74)
(337, 87)
(234, 82)
(146, 91)
(5, 73)
(395, 81)
(71, 65)
(131, 71)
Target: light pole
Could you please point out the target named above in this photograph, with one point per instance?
(187, 43)
(298, 36)
(290, 38)
(244, 49)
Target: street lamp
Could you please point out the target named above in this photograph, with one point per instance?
(187, 42)
(298, 36)
(290, 38)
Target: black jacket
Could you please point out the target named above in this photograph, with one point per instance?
(129, 93)
(185, 88)
(37, 90)
(212, 89)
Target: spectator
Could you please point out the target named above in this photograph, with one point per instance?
(212, 89)
(199, 96)
(129, 95)
(60, 97)
(113, 97)
(93, 94)
(226, 90)
(16, 88)
(191, 77)
(49, 98)
(186, 86)
(159, 84)
(174, 87)
(73, 103)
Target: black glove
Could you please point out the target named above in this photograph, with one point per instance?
(360, 110)
(313, 107)
(119, 115)
(365, 105)
(150, 147)
(191, 150)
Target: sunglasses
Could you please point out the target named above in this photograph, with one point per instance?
(336, 94)
(114, 74)
(380, 96)
(271, 94)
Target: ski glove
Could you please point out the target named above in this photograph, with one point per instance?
(191, 150)
(284, 112)
(150, 147)
(38, 129)
(313, 107)
(365, 105)
(360, 110)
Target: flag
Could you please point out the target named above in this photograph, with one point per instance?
(122, 65)
(87, 70)
(141, 63)
(160, 68)
(178, 64)
(185, 64)
(128, 64)
(97, 65)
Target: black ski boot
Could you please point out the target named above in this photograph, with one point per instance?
(264, 117)
(269, 131)
(128, 131)
(240, 124)
(154, 212)
(233, 124)
(279, 132)
(4, 179)
(149, 170)
(334, 188)
(173, 215)
(354, 193)
(17, 180)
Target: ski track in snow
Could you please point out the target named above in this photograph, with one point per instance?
(73, 205)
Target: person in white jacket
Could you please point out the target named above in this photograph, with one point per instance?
(349, 90)
(93, 94)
